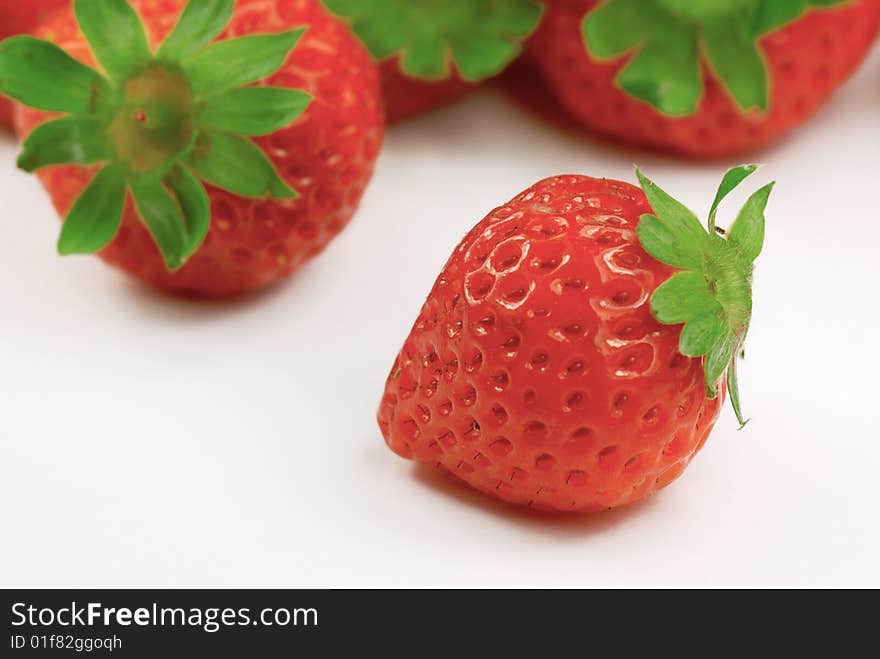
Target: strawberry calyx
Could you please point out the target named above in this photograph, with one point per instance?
(480, 37)
(161, 124)
(711, 295)
(669, 40)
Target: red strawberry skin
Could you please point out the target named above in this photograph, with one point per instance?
(807, 60)
(407, 97)
(535, 371)
(21, 17)
(327, 155)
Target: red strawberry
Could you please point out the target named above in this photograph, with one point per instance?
(19, 17)
(434, 53)
(407, 96)
(269, 204)
(701, 79)
(570, 354)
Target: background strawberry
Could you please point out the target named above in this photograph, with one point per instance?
(570, 354)
(266, 216)
(702, 79)
(21, 17)
(433, 53)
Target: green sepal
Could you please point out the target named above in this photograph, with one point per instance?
(163, 217)
(718, 360)
(666, 72)
(95, 216)
(195, 206)
(669, 39)
(732, 52)
(614, 28)
(733, 392)
(747, 232)
(116, 35)
(701, 333)
(731, 180)
(237, 62)
(253, 111)
(479, 37)
(39, 74)
(80, 140)
(198, 25)
(682, 297)
(678, 238)
(163, 120)
(711, 294)
(773, 14)
(237, 165)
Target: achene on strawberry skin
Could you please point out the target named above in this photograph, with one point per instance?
(700, 78)
(245, 134)
(572, 354)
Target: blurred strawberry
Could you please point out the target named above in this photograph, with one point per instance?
(697, 78)
(433, 53)
(176, 167)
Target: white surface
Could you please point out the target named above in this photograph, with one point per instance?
(149, 441)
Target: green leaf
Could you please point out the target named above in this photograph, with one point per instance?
(618, 26)
(717, 361)
(666, 71)
(253, 110)
(731, 180)
(71, 140)
(673, 234)
(774, 14)
(477, 59)
(194, 205)
(382, 34)
(747, 232)
(41, 75)
(237, 62)
(681, 298)
(703, 333)
(95, 216)
(733, 391)
(237, 165)
(162, 216)
(426, 59)
(481, 37)
(713, 295)
(199, 24)
(673, 213)
(661, 242)
(665, 38)
(733, 54)
(116, 35)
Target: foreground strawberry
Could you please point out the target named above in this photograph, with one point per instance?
(162, 124)
(433, 53)
(22, 17)
(701, 78)
(571, 354)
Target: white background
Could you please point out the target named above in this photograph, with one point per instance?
(148, 441)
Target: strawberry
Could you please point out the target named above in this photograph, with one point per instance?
(183, 197)
(17, 17)
(572, 353)
(701, 78)
(431, 53)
